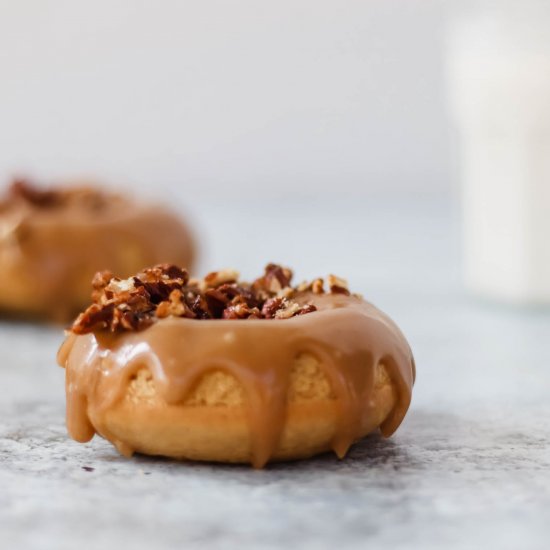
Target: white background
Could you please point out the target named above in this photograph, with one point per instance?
(262, 98)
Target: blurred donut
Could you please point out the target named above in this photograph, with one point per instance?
(52, 241)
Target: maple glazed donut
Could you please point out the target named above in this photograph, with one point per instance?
(221, 370)
(52, 241)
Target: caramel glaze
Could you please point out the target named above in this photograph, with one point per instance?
(347, 335)
(48, 255)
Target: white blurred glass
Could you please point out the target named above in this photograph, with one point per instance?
(499, 71)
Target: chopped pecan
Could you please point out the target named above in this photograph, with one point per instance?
(128, 319)
(138, 301)
(164, 272)
(174, 306)
(198, 284)
(271, 307)
(287, 292)
(166, 290)
(240, 311)
(158, 291)
(199, 307)
(96, 317)
(308, 308)
(117, 286)
(216, 301)
(288, 310)
(275, 278)
(281, 308)
(217, 278)
(99, 282)
(240, 294)
(315, 286)
(337, 285)
(174, 272)
(43, 198)
(79, 196)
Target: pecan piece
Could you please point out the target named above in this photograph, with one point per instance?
(96, 317)
(240, 311)
(271, 307)
(337, 285)
(175, 272)
(288, 310)
(275, 278)
(315, 286)
(238, 293)
(199, 306)
(118, 286)
(175, 306)
(217, 278)
(42, 198)
(99, 282)
(308, 308)
(216, 301)
(128, 319)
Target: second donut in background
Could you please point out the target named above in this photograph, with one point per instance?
(53, 240)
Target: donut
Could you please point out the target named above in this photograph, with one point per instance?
(221, 370)
(52, 241)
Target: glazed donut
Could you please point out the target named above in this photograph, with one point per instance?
(225, 371)
(52, 241)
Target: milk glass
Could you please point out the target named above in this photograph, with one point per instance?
(499, 75)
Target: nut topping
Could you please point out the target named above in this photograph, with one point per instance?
(167, 291)
(337, 285)
(32, 194)
(85, 197)
(216, 278)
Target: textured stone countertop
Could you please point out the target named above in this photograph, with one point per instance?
(469, 467)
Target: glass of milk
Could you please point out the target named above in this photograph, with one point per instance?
(499, 74)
